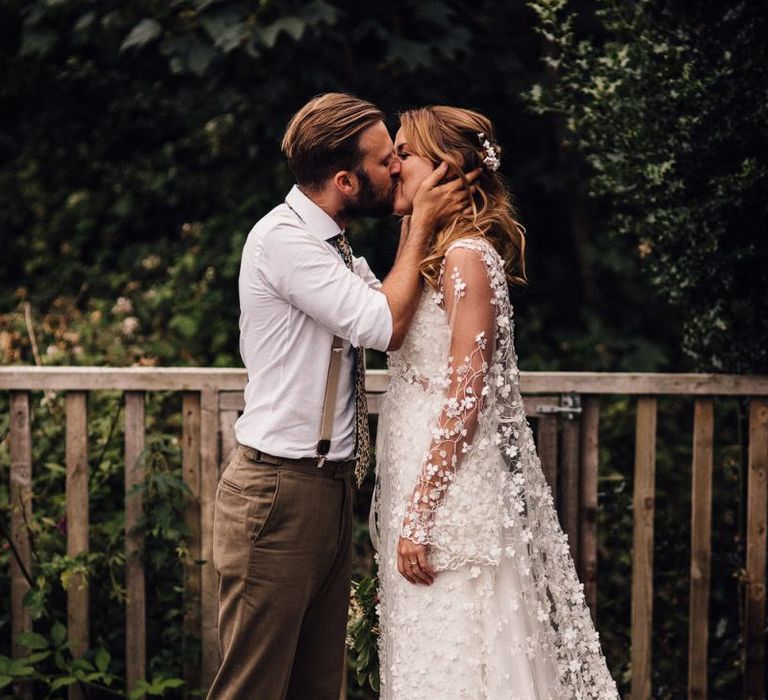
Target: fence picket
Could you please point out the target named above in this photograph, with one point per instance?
(701, 548)
(642, 551)
(569, 483)
(209, 477)
(757, 505)
(77, 523)
(227, 420)
(135, 608)
(191, 474)
(547, 448)
(588, 463)
(21, 512)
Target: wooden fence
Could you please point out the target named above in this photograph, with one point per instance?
(566, 407)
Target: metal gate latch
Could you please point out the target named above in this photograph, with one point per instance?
(570, 406)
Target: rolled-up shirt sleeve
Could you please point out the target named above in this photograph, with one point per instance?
(364, 272)
(309, 274)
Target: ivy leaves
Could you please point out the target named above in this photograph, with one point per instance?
(200, 32)
(145, 31)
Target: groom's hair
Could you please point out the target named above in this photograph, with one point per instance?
(323, 137)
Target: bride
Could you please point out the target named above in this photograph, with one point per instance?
(479, 597)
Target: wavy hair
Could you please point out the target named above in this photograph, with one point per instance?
(451, 134)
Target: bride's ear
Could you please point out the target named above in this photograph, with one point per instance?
(346, 182)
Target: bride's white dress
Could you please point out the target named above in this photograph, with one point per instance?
(457, 470)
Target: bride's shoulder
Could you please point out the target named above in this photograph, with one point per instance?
(472, 249)
(480, 245)
(471, 261)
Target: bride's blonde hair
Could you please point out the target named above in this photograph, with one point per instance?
(453, 135)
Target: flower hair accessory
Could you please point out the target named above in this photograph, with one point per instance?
(491, 160)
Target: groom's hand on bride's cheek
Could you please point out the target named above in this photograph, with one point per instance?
(437, 203)
(412, 562)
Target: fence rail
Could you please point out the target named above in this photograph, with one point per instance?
(566, 409)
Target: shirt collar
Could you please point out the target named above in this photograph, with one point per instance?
(318, 222)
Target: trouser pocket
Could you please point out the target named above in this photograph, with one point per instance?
(242, 512)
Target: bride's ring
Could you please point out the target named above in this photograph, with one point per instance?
(413, 563)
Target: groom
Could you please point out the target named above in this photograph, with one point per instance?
(283, 517)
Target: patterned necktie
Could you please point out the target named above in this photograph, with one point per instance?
(362, 435)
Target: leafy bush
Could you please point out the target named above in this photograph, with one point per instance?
(363, 632)
(665, 100)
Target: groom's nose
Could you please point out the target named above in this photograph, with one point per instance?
(394, 166)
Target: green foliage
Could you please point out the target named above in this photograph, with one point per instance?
(50, 665)
(127, 192)
(157, 686)
(667, 105)
(363, 632)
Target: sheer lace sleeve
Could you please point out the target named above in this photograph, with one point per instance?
(468, 297)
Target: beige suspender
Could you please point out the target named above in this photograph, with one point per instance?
(329, 402)
(331, 389)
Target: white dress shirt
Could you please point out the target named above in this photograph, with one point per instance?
(295, 294)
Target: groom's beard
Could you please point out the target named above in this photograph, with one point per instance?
(370, 202)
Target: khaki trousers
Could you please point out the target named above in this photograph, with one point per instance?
(282, 548)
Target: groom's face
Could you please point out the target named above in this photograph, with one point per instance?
(377, 175)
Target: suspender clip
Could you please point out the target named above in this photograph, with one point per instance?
(323, 447)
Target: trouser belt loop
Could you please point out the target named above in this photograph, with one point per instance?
(259, 456)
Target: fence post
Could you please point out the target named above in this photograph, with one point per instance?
(209, 477)
(701, 548)
(191, 472)
(642, 550)
(77, 523)
(135, 608)
(589, 458)
(21, 513)
(757, 504)
(569, 488)
(547, 448)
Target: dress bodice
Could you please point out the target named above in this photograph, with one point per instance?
(422, 357)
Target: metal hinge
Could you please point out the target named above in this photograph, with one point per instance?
(570, 406)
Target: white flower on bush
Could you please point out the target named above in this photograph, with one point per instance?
(123, 306)
(129, 326)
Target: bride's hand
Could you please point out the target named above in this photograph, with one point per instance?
(412, 562)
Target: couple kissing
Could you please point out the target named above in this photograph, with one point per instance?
(479, 597)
